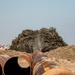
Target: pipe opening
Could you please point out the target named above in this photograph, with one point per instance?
(15, 66)
(0, 70)
(22, 62)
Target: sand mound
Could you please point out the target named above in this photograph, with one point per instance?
(67, 52)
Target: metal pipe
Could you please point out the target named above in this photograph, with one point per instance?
(3, 59)
(43, 66)
(16, 65)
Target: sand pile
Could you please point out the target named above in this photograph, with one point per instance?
(43, 40)
(66, 53)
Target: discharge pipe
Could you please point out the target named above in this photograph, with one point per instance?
(43, 66)
(16, 65)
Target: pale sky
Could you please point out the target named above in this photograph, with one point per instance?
(18, 15)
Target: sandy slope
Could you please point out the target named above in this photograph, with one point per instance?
(64, 56)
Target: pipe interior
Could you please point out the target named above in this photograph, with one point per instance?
(16, 66)
(0, 70)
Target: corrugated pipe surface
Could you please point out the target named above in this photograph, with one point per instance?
(16, 65)
(43, 66)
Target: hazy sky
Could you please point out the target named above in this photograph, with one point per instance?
(18, 15)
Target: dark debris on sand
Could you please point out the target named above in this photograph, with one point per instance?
(44, 40)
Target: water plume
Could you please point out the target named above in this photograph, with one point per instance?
(37, 43)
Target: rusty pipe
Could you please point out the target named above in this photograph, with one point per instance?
(16, 65)
(43, 66)
(3, 59)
